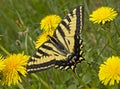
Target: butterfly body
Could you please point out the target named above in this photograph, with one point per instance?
(63, 49)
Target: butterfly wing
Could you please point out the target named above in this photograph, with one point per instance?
(65, 41)
(69, 33)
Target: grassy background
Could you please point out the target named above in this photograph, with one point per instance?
(16, 38)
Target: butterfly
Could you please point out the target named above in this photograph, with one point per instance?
(63, 49)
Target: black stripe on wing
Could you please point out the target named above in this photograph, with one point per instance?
(58, 45)
(79, 27)
(60, 31)
(39, 67)
(65, 25)
(68, 19)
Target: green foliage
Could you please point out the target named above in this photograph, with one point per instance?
(19, 29)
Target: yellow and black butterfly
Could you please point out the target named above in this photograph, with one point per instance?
(63, 49)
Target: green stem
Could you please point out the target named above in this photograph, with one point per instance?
(26, 39)
(42, 81)
(80, 80)
(4, 50)
(20, 86)
(117, 30)
(115, 86)
(27, 82)
(110, 42)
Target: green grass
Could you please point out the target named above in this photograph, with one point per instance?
(97, 46)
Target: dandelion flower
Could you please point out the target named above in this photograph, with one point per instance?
(50, 22)
(102, 15)
(2, 65)
(14, 67)
(43, 38)
(109, 72)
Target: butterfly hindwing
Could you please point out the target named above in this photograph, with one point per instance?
(63, 49)
(42, 59)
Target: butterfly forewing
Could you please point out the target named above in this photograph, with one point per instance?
(71, 27)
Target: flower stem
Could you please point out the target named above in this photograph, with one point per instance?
(4, 50)
(42, 81)
(115, 86)
(20, 86)
(110, 42)
(80, 80)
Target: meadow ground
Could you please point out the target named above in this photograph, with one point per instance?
(20, 27)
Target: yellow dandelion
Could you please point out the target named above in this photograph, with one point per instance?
(14, 67)
(43, 38)
(103, 14)
(109, 72)
(50, 22)
(2, 65)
